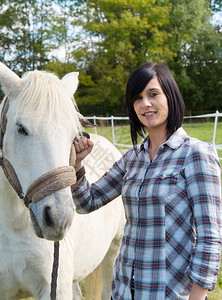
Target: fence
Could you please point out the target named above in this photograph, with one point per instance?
(112, 118)
(215, 115)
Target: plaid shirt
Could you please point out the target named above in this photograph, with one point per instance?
(173, 209)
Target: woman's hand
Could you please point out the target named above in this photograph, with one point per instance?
(83, 147)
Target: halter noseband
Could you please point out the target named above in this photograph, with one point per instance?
(46, 184)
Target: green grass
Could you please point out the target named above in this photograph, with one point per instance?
(201, 131)
(217, 293)
(204, 131)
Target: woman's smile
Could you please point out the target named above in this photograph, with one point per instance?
(149, 114)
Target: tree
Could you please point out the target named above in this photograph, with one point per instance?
(197, 63)
(215, 5)
(30, 32)
(24, 33)
(118, 36)
(106, 39)
(205, 71)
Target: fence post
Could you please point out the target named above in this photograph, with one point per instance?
(215, 127)
(94, 122)
(190, 115)
(113, 132)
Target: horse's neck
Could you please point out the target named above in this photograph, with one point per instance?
(13, 213)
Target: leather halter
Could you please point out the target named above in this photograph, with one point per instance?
(46, 184)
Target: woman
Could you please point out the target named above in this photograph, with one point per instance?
(170, 185)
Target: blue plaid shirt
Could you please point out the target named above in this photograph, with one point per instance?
(173, 213)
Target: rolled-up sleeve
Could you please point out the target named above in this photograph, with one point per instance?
(89, 197)
(203, 181)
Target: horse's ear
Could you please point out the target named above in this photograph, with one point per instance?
(71, 82)
(11, 83)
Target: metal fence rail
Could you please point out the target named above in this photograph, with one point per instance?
(215, 115)
(112, 119)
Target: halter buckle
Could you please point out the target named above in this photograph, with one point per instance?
(22, 196)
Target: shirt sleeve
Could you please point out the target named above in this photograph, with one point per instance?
(89, 197)
(203, 179)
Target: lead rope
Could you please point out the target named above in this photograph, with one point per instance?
(37, 187)
(55, 267)
(54, 271)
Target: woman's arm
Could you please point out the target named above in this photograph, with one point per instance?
(198, 293)
(89, 197)
(202, 173)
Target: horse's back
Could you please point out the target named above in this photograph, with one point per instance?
(102, 157)
(97, 230)
(100, 160)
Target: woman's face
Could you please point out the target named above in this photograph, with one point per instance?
(151, 106)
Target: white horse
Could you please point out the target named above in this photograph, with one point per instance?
(42, 122)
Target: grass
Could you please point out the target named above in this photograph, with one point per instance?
(217, 293)
(202, 131)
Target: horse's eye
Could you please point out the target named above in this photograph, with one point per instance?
(21, 129)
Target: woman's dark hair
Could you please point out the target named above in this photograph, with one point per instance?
(136, 83)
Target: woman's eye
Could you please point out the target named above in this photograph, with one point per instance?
(153, 95)
(138, 97)
(22, 130)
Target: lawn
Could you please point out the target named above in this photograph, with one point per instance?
(202, 131)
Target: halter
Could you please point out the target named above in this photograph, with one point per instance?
(43, 186)
(46, 184)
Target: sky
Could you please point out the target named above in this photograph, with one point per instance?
(217, 18)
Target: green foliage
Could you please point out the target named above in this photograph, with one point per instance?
(60, 68)
(22, 33)
(106, 39)
(205, 65)
(215, 5)
(198, 63)
(119, 36)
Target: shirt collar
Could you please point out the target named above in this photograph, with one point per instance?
(177, 138)
(174, 142)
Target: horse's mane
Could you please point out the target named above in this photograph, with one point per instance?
(45, 94)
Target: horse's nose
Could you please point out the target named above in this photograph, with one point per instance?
(53, 217)
(48, 216)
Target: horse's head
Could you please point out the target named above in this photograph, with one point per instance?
(42, 122)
